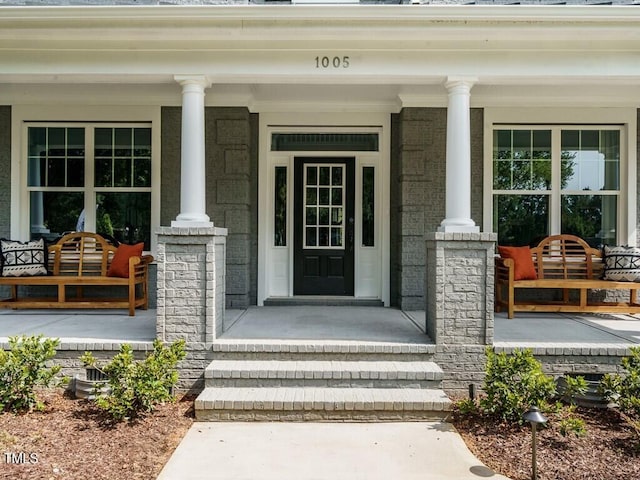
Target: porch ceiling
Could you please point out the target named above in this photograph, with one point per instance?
(278, 45)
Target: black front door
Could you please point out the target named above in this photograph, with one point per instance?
(324, 226)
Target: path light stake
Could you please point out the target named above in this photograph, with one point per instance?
(534, 417)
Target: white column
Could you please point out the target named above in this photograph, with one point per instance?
(192, 163)
(458, 194)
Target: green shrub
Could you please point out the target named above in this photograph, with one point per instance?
(574, 385)
(625, 389)
(138, 386)
(513, 383)
(466, 406)
(574, 425)
(23, 368)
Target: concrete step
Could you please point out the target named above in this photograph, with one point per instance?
(320, 403)
(321, 300)
(320, 350)
(332, 373)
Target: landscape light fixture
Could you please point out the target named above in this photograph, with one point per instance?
(535, 418)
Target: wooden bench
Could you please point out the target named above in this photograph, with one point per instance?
(82, 259)
(566, 263)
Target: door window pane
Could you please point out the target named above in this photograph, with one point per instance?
(323, 207)
(368, 206)
(280, 207)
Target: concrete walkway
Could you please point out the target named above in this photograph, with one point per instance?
(324, 451)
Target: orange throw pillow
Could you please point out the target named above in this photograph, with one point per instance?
(120, 263)
(523, 263)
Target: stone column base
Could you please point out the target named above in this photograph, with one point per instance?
(460, 288)
(191, 284)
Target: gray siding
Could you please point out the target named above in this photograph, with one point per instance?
(231, 183)
(5, 167)
(418, 169)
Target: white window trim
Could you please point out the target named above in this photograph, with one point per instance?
(626, 118)
(30, 114)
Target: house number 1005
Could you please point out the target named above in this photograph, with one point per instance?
(332, 62)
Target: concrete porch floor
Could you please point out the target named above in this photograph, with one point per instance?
(321, 323)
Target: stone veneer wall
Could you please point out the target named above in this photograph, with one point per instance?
(459, 304)
(418, 169)
(231, 144)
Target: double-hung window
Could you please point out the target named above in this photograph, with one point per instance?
(90, 177)
(556, 179)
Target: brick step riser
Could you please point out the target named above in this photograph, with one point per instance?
(319, 416)
(329, 356)
(319, 382)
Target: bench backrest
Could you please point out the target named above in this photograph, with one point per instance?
(566, 256)
(81, 254)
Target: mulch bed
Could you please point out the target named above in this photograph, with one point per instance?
(72, 439)
(609, 451)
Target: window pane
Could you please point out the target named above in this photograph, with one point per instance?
(325, 174)
(323, 236)
(142, 172)
(520, 219)
(280, 213)
(311, 195)
(323, 198)
(522, 160)
(75, 172)
(590, 160)
(310, 240)
(142, 142)
(56, 170)
(336, 237)
(103, 138)
(336, 176)
(123, 157)
(56, 157)
(125, 216)
(54, 213)
(368, 206)
(590, 217)
(123, 141)
(522, 144)
(122, 172)
(37, 141)
(37, 171)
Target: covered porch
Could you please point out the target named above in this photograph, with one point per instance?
(322, 323)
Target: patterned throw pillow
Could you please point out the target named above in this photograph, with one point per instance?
(622, 264)
(18, 259)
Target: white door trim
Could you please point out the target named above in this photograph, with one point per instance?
(371, 265)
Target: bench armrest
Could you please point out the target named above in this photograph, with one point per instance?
(138, 265)
(505, 268)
